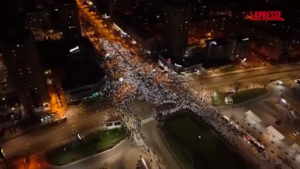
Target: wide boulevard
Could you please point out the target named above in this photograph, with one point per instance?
(262, 75)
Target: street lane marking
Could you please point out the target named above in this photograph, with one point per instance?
(147, 120)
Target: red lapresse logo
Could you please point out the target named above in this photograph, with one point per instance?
(266, 16)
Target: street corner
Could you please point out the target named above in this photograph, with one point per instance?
(141, 156)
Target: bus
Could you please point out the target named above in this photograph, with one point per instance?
(143, 164)
(259, 147)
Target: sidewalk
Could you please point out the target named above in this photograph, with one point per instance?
(238, 71)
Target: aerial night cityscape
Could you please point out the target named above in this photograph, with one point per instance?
(149, 84)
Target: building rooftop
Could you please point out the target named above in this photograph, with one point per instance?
(55, 54)
(240, 38)
(83, 75)
(219, 41)
(141, 31)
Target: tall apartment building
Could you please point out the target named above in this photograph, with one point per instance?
(229, 48)
(239, 47)
(216, 26)
(38, 21)
(217, 48)
(177, 14)
(65, 18)
(21, 58)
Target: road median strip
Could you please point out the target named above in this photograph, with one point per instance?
(91, 144)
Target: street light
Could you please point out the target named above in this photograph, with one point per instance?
(79, 136)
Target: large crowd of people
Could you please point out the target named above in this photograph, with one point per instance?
(132, 79)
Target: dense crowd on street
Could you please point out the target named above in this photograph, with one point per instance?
(137, 84)
(132, 79)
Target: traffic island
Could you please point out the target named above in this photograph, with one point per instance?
(197, 145)
(89, 145)
(246, 95)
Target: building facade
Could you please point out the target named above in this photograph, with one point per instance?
(83, 92)
(239, 47)
(38, 22)
(272, 46)
(142, 37)
(65, 18)
(177, 15)
(217, 48)
(21, 58)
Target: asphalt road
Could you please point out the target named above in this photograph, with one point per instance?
(268, 116)
(153, 137)
(48, 136)
(257, 75)
(51, 136)
(113, 158)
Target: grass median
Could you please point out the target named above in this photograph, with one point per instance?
(197, 145)
(246, 95)
(240, 97)
(93, 143)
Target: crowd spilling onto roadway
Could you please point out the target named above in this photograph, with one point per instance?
(131, 77)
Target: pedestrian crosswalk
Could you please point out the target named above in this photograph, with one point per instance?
(139, 141)
(147, 120)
